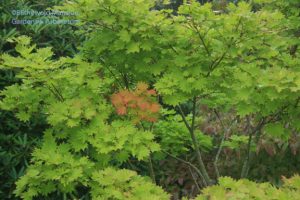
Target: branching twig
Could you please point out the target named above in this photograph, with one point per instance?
(194, 179)
(225, 132)
(193, 25)
(117, 80)
(56, 92)
(152, 174)
(184, 118)
(195, 141)
(187, 163)
(245, 168)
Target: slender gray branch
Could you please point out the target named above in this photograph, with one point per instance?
(195, 141)
(225, 132)
(245, 168)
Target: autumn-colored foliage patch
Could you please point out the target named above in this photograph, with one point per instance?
(140, 104)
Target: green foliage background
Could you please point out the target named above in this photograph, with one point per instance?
(227, 77)
(18, 138)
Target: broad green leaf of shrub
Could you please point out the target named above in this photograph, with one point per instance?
(124, 184)
(72, 94)
(244, 189)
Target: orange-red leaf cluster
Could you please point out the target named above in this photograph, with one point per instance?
(139, 103)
